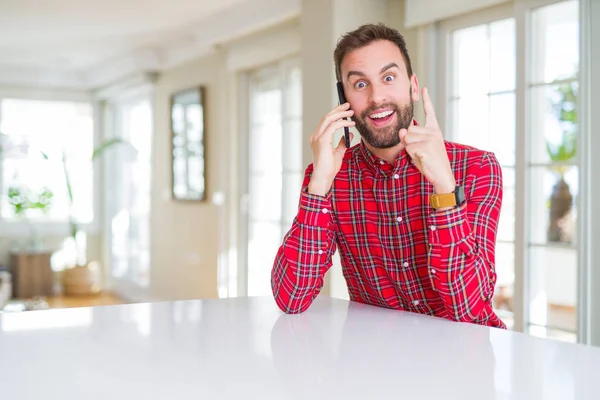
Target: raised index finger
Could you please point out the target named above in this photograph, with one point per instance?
(430, 118)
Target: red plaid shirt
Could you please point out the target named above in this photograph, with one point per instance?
(395, 250)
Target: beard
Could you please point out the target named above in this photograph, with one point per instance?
(387, 136)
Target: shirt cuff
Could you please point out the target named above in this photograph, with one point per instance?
(314, 210)
(449, 227)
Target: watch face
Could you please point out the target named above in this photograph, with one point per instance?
(460, 195)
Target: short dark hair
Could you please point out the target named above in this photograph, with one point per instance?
(365, 35)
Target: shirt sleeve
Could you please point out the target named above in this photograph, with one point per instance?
(305, 253)
(462, 246)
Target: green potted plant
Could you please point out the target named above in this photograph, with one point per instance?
(561, 153)
(22, 201)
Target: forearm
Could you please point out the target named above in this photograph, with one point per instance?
(462, 245)
(304, 256)
(461, 271)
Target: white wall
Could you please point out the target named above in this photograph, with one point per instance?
(184, 235)
(194, 244)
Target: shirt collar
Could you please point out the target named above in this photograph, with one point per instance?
(380, 165)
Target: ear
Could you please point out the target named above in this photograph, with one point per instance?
(415, 92)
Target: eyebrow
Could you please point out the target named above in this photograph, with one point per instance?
(359, 73)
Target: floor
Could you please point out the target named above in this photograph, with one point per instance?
(101, 299)
(43, 303)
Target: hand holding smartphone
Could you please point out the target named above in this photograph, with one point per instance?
(342, 99)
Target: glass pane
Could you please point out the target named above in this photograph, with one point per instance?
(292, 183)
(24, 180)
(553, 287)
(266, 106)
(34, 178)
(265, 147)
(502, 55)
(488, 123)
(505, 272)
(553, 213)
(32, 131)
(554, 123)
(265, 197)
(502, 127)
(471, 49)
(294, 93)
(130, 205)
(195, 122)
(83, 189)
(471, 121)
(555, 41)
(506, 226)
(195, 177)
(265, 238)
(138, 125)
(50, 127)
(292, 145)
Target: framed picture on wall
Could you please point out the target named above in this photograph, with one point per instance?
(187, 145)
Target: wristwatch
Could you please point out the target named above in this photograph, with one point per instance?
(444, 200)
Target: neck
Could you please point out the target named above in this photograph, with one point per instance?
(389, 154)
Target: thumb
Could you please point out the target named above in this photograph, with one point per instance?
(403, 132)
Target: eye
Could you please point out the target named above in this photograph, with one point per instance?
(360, 85)
(389, 78)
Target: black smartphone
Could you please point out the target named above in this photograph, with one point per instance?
(342, 99)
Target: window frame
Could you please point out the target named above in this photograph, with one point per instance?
(521, 11)
(589, 305)
(246, 83)
(110, 116)
(21, 229)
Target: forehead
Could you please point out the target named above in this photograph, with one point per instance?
(371, 58)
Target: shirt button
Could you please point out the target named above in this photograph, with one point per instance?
(320, 251)
(433, 228)
(396, 176)
(381, 162)
(325, 211)
(433, 271)
(416, 302)
(399, 219)
(405, 264)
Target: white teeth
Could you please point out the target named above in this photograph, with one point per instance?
(382, 114)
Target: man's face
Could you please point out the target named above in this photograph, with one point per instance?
(380, 92)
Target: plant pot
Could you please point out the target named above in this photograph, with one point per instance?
(80, 281)
(561, 202)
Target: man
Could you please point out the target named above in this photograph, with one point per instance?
(414, 217)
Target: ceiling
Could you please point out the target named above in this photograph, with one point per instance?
(89, 43)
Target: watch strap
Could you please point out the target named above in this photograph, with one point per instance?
(442, 200)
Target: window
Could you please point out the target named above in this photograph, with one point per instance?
(275, 166)
(540, 259)
(552, 169)
(482, 114)
(31, 129)
(128, 199)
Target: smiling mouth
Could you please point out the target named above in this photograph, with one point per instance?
(381, 118)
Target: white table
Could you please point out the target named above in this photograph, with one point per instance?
(245, 348)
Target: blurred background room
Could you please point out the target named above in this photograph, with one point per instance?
(154, 150)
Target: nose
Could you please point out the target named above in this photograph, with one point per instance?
(378, 93)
